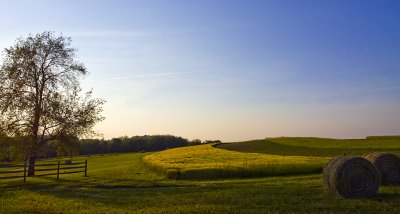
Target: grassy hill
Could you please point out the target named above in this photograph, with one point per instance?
(320, 147)
(205, 161)
(269, 157)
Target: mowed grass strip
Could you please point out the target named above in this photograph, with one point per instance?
(320, 147)
(207, 162)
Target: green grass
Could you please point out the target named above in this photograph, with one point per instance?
(373, 142)
(281, 156)
(122, 184)
(320, 147)
(205, 162)
(103, 170)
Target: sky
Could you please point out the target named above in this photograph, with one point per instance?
(230, 70)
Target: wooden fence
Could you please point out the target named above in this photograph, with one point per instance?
(21, 170)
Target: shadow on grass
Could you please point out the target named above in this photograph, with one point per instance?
(286, 194)
(272, 197)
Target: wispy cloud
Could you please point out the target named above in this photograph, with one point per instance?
(153, 75)
(108, 34)
(133, 33)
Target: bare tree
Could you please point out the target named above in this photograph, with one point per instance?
(40, 94)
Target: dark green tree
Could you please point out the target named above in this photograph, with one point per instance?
(40, 94)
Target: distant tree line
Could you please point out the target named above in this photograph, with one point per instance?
(12, 148)
(134, 144)
(146, 143)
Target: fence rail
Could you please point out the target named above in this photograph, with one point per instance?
(18, 173)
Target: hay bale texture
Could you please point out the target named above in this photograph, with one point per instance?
(388, 166)
(351, 177)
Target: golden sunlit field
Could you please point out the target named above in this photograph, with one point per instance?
(206, 161)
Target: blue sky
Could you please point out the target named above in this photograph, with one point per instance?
(230, 70)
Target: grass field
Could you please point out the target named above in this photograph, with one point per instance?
(373, 142)
(205, 161)
(122, 183)
(320, 147)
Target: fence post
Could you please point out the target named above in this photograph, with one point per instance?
(86, 168)
(24, 171)
(58, 170)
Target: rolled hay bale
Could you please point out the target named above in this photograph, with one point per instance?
(328, 168)
(351, 177)
(388, 166)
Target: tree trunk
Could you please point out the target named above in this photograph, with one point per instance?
(31, 167)
(34, 146)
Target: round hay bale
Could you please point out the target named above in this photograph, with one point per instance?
(328, 168)
(388, 166)
(351, 177)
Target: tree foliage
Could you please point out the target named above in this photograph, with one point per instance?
(144, 143)
(40, 94)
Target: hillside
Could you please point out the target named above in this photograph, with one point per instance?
(320, 147)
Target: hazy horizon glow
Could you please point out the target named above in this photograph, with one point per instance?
(230, 70)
